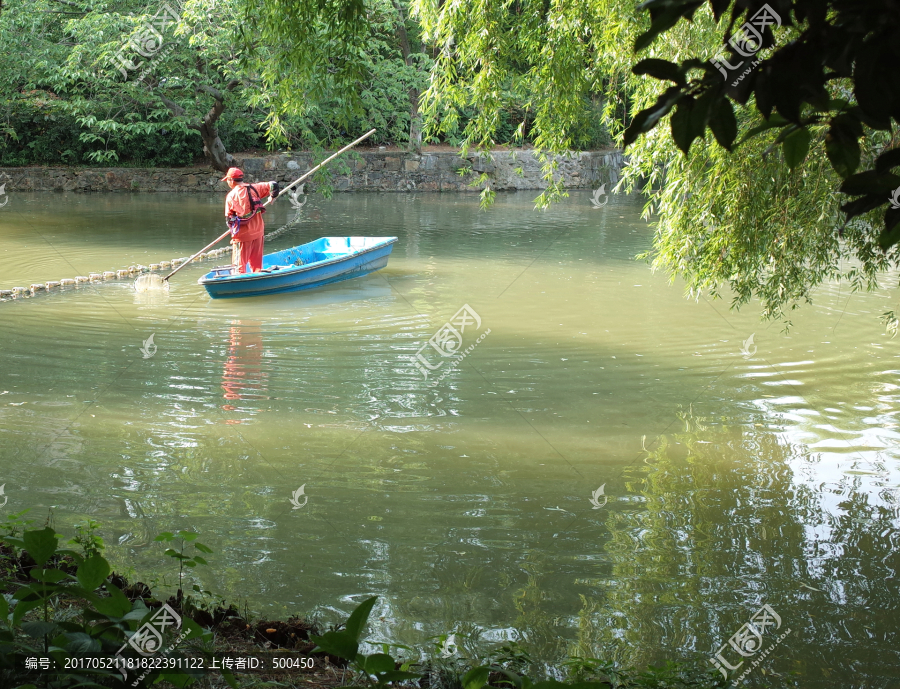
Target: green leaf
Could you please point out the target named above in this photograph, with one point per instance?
(660, 69)
(795, 147)
(683, 124)
(842, 144)
(203, 549)
(890, 235)
(476, 678)
(887, 160)
(723, 124)
(775, 121)
(22, 608)
(93, 572)
(187, 536)
(4, 608)
(81, 643)
(14, 542)
(358, 618)
(863, 205)
(647, 118)
(49, 576)
(165, 537)
(41, 544)
(517, 681)
(199, 560)
(340, 644)
(870, 182)
(379, 662)
(116, 605)
(37, 630)
(663, 21)
(232, 681)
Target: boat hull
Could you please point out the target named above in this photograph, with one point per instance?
(325, 261)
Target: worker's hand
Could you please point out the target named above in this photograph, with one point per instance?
(274, 189)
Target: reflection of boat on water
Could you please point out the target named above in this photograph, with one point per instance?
(318, 263)
(243, 377)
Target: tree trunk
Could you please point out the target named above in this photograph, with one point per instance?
(415, 120)
(212, 145)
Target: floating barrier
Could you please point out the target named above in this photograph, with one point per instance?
(121, 273)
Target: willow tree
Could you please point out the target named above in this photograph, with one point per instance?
(760, 216)
(763, 218)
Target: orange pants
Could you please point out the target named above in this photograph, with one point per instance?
(250, 252)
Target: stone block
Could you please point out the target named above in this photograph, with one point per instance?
(392, 164)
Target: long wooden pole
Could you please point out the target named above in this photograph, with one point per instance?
(295, 182)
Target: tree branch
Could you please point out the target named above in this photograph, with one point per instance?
(177, 110)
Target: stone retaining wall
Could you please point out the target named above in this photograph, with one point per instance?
(368, 171)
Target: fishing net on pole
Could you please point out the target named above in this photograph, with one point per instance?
(150, 282)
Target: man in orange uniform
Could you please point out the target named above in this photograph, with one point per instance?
(243, 212)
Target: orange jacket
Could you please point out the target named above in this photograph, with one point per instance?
(238, 203)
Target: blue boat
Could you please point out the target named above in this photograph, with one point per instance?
(318, 263)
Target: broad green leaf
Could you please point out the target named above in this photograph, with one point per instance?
(659, 69)
(203, 549)
(340, 644)
(116, 605)
(379, 662)
(22, 608)
(663, 21)
(80, 643)
(41, 544)
(646, 119)
(93, 572)
(870, 182)
(683, 123)
(723, 124)
(842, 144)
(775, 121)
(891, 233)
(232, 681)
(476, 678)
(165, 537)
(358, 618)
(49, 576)
(795, 147)
(37, 630)
(843, 153)
(887, 160)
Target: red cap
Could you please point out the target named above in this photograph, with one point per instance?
(233, 174)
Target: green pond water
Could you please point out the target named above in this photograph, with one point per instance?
(612, 470)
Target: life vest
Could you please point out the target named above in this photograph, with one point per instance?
(256, 207)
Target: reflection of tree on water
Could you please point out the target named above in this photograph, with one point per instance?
(725, 524)
(243, 377)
